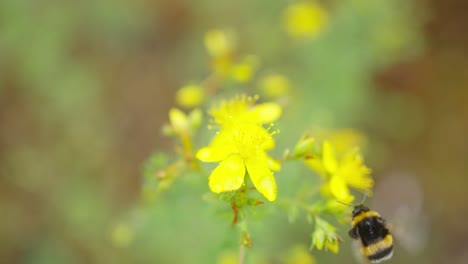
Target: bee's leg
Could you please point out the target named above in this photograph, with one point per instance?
(353, 233)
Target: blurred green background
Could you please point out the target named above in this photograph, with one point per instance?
(85, 87)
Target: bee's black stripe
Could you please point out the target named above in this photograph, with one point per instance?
(371, 230)
(381, 254)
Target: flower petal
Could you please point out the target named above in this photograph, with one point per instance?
(346, 139)
(218, 150)
(273, 164)
(190, 95)
(219, 42)
(317, 165)
(228, 176)
(305, 19)
(353, 170)
(266, 112)
(262, 177)
(329, 159)
(339, 189)
(178, 120)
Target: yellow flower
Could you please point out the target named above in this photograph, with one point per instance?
(243, 71)
(182, 124)
(342, 172)
(239, 147)
(242, 108)
(305, 19)
(179, 121)
(190, 96)
(219, 43)
(275, 85)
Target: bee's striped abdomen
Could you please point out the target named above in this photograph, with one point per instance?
(370, 228)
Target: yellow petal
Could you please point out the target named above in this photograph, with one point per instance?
(208, 154)
(219, 42)
(190, 95)
(339, 189)
(195, 118)
(328, 156)
(346, 139)
(266, 112)
(273, 164)
(305, 19)
(317, 165)
(228, 176)
(179, 120)
(353, 170)
(218, 150)
(243, 71)
(262, 177)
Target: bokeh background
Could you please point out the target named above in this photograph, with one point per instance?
(85, 87)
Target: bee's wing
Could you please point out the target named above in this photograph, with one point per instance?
(410, 232)
(357, 253)
(404, 212)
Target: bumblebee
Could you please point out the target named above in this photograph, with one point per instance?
(371, 229)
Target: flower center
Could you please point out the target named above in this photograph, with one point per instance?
(247, 138)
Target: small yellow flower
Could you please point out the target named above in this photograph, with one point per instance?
(219, 43)
(342, 172)
(275, 85)
(305, 19)
(241, 147)
(190, 96)
(179, 121)
(243, 71)
(242, 108)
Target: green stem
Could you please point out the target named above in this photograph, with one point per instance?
(242, 254)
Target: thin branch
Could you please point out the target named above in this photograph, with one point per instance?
(242, 254)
